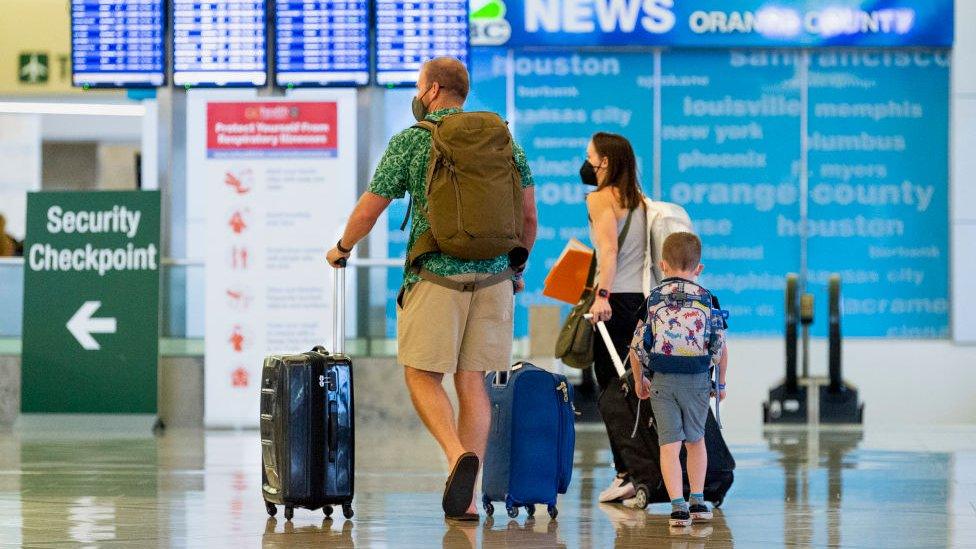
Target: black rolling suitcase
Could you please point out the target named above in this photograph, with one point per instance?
(641, 453)
(307, 435)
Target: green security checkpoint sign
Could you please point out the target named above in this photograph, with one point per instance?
(91, 302)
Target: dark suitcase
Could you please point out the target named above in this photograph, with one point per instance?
(307, 434)
(641, 453)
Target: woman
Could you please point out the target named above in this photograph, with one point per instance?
(611, 166)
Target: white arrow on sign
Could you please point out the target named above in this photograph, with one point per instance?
(82, 325)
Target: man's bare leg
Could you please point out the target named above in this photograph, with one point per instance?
(435, 410)
(474, 420)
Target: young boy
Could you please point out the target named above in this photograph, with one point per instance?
(679, 341)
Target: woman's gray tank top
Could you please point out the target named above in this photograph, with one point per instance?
(630, 255)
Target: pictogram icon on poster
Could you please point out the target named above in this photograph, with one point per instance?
(239, 377)
(237, 222)
(237, 339)
(239, 298)
(241, 182)
(238, 258)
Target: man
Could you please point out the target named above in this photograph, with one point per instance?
(441, 330)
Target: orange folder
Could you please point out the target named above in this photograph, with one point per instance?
(567, 279)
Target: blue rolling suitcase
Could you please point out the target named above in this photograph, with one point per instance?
(529, 458)
(307, 435)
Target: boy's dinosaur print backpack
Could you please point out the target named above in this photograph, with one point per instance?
(681, 328)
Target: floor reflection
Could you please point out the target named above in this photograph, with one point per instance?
(202, 489)
(802, 455)
(327, 534)
(633, 528)
(836, 494)
(91, 521)
(88, 492)
(540, 532)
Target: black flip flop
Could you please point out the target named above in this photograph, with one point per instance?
(460, 486)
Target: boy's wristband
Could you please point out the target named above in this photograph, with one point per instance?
(721, 386)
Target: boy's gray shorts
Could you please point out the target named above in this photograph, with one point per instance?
(680, 403)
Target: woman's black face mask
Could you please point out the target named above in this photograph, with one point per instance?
(588, 174)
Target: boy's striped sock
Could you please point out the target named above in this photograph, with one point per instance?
(680, 514)
(699, 509)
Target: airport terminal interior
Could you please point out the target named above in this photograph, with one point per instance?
(173, 174)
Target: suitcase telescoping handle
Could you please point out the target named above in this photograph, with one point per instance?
(339, 308)
(617, 363)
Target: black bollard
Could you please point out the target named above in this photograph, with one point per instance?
(833, 357)
(792, 314)
(838, 402)
(788, 401)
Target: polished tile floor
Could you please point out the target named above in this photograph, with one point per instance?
(108, 484)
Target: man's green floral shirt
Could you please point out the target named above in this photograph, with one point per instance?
(403, 169)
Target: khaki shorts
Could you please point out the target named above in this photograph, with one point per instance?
(443, 330)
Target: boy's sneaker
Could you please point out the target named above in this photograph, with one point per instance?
(680, 518)
(620, 488)
(700, 511)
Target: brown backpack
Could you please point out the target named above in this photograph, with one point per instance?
(474, 190)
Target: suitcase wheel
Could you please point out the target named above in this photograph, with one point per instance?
(347, 510)
(289, 512)
(642, 496)
(530, 511)
(328, 511)
(271, 508)
(553, 512)
(512, 511)
(489, 508)
(717, 503)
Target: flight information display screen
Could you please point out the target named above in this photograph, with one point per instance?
(219, 43)
(117, 43)
(411, 32)
(322, 42)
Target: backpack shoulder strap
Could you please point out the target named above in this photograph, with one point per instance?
(426, 125)
(406, 217)
(656, 296)
(431, 127)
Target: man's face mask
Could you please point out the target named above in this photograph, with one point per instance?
(420, 110)
(588, 174)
